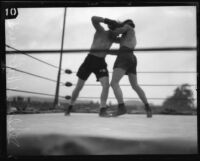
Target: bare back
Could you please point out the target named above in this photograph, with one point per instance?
(128, 39)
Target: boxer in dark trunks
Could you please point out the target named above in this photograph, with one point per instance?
(95, 63)
(126, 63)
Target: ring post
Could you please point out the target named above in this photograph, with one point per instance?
(59, 70)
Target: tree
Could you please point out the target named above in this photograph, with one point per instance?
(181, 100)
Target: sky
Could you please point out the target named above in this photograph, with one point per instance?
(41, 29)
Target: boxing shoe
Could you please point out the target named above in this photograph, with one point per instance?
(148, 111)
(103, 112)
(68, 110)
(120, 111)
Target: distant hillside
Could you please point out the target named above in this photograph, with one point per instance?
(133, 103)
(48, 99)
(39, 99)
(44, 104)
(45, 99)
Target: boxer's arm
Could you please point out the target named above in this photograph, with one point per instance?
(121, 30)
(117, 40)
(110, 52)
(96, 23)
(112, 23)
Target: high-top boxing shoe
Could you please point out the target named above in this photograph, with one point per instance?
(148, 110)
(103, 112)
(68, 110)
(121, 110)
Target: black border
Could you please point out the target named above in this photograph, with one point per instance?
(98, 3)
(3, 134)
(81, 3)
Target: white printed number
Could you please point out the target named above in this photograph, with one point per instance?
(11, 13)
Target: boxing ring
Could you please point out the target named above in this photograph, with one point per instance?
(88, 134)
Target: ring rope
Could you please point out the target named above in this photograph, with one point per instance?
(100, 50)
(25, 53)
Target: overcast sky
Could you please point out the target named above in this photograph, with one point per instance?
(41, 28)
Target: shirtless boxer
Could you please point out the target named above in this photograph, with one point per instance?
(126, 63)
(95, 63)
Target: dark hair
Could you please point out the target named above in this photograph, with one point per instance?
(130, 22)
(111, 27)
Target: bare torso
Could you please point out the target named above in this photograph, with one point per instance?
(101, 41)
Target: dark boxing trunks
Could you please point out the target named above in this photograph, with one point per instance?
(126, 60)
(92, 64)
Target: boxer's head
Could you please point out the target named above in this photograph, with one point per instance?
(129, 22)
(111, 27)
(114, 25)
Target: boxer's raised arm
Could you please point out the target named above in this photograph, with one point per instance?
(116, 40)
(96, 23)
(121, 30)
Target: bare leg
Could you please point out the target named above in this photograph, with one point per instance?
(77, 90)
(137, 88)
(104, 96)
(105, 89)
(140, 92)
(75, 94)
(118, 73)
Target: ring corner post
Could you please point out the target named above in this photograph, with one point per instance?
(56, 101)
